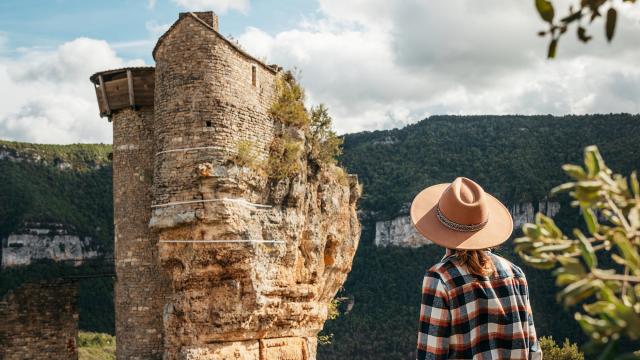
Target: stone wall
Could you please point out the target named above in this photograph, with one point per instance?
(39, 321)
(204, 99)
(140, 289)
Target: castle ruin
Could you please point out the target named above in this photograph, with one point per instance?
(215, 259)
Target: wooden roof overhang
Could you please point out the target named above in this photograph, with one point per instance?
(130, 87)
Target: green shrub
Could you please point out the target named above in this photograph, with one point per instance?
(96, 346)
(246, 155)
(289, 105)
(94, 339)
(551, 350)
(284, 158)
(326, 146)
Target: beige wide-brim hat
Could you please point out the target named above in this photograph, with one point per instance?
(460, 215)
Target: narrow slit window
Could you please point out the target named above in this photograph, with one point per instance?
(254, 75)
(208, 123)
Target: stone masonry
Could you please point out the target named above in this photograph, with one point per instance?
(39, 321)
(141, 287)
(215, 260)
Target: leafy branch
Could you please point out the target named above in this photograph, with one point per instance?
(610, 207)
(581, 15)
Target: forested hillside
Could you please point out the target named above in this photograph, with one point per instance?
(68, 185)
(517, 158)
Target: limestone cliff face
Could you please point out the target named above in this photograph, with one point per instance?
(267, 296)
(46, 241)
(400, 231)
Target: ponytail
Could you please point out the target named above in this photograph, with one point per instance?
(477, 262)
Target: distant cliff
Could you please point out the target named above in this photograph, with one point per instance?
(52, 241)
(399, 231)
(55, 202)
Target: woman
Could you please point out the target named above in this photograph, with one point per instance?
(475, 304)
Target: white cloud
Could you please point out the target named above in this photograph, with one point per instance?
(155, 29)
(380, 64)
(219, 6)
(47, 96)
(151, 4)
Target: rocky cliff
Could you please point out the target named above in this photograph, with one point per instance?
(38, 241)
(267, 298)
(399, 231)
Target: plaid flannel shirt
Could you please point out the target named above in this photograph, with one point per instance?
(463, 316)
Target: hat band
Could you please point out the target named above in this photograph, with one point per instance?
(458, 227)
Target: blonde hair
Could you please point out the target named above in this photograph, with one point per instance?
(476, 261)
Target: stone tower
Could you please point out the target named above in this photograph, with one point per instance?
(217, 259)
(126, 97)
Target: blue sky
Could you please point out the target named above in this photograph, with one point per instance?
(125, 23)
(376, 64)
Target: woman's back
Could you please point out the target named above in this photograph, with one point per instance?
(466, 316)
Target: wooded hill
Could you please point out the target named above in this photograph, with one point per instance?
(516, 158)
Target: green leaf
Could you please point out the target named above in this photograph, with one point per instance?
(563, 188)
(545, 9)
(582, 34)
(566, 279)
(550, 225)
(591, 160)
(635, 186)
(634, 217)
(575, 171)
(586, 249)
(538, 263)
(553, 45)
(610, 25)
(599, 307)
(555, 247)
(571, 265)
(591, 220)
(578, 291)
(531, 230)
(629, 252)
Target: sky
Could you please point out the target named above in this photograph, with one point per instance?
(376, 64)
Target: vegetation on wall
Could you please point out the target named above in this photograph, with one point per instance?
(320, 144)
(288, 108)
(284, 158)
(325, 145)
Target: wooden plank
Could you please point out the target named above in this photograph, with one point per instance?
(99, 97)
(132, 100)
(104, 96)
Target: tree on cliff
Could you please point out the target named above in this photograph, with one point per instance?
(582, 13)
(599, 266)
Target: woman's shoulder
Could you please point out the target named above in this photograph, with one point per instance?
(506, 268)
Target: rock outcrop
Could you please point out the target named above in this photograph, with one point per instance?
(218, 258)
(262, 285)
(46, 241)
(400, 231)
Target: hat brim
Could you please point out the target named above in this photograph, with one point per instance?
(423, 215)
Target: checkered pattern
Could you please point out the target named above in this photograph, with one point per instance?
(463, 316)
